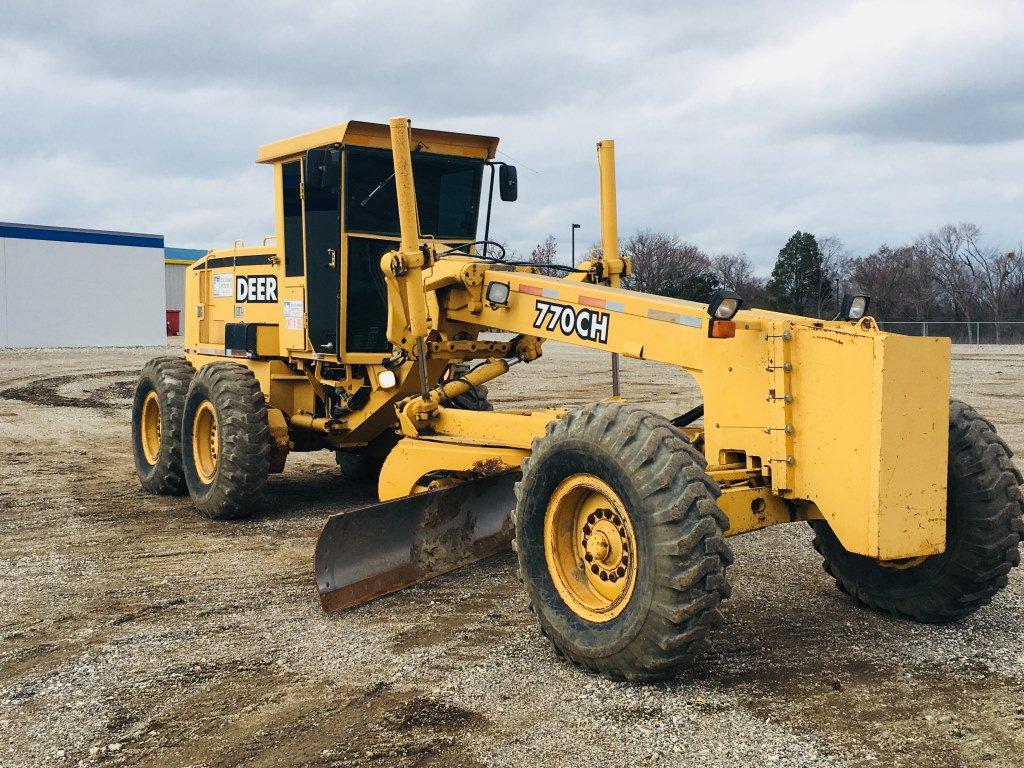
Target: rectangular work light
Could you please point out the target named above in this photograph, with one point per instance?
(854, 307)
(497, 293)
(724, 304)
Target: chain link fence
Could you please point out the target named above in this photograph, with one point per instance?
(961, 332)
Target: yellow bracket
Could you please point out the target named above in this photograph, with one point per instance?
(413, 458)
(750, 509)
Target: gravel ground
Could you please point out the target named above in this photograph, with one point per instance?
(134, 632)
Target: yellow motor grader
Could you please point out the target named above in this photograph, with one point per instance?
(363, 329)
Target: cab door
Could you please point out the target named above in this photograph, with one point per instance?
(322, 208)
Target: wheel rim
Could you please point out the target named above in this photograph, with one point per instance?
(205, 445)
(150, 423)
(590, 548)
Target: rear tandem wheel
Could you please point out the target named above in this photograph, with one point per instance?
(983, 532)
(156, 424)
(226, 439)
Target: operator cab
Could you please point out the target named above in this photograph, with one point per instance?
(337, 213)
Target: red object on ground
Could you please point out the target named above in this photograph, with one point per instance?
(173, 322)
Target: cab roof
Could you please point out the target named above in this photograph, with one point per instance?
(358, 133)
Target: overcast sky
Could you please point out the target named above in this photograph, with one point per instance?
(735, 123)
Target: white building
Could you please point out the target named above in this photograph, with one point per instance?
(80, 288)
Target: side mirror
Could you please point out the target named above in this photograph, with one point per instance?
(323, 167)
(508, 183)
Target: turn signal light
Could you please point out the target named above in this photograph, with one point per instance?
(722, 329)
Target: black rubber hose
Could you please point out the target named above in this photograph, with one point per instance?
(689, 417)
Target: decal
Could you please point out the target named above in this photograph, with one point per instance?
(293, 323)
(256, 289)
(673, 317)
(585, 323)
(221, 286)
(293, 309)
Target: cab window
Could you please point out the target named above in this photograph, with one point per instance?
(447, 194)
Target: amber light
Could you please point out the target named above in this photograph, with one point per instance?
(723, 329)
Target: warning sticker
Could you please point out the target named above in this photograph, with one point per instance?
(293, 309)
(222, 286)
(293, 323)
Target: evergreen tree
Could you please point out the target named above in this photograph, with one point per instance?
(800, 283)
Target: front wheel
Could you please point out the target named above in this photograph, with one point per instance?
(226, 441)
(620, 542)
(983, 532)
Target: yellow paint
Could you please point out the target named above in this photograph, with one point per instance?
(360, 134)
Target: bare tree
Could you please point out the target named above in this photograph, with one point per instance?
(650, 254)
(994, 271)
(735, 272)
(833, 272)
(899, 282)
(661, 263)
(945, 249)
(544, 254)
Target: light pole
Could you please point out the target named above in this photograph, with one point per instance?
(574, 228)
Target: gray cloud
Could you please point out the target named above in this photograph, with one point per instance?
(735, 123)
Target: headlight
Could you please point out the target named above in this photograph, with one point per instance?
(724, 304)
(497, 293)
(854, 307)
(386, 379)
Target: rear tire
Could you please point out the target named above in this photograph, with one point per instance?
(156, 424)
(983, 532)
(226, 441)
(624, 469)
(359, 467)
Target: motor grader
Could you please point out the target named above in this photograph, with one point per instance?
(363, 328)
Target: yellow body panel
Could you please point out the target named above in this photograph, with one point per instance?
(831, 408)
(870, 438)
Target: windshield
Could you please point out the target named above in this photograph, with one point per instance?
(447, 194)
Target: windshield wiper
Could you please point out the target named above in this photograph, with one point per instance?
(380, 186)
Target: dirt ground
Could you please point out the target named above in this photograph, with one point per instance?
(134, 632)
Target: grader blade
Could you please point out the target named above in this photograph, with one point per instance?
(382, 548)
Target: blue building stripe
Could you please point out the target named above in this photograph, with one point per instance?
(68, 235)
(185, 254)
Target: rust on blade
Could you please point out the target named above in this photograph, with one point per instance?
(379, 549)
(360, 592)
